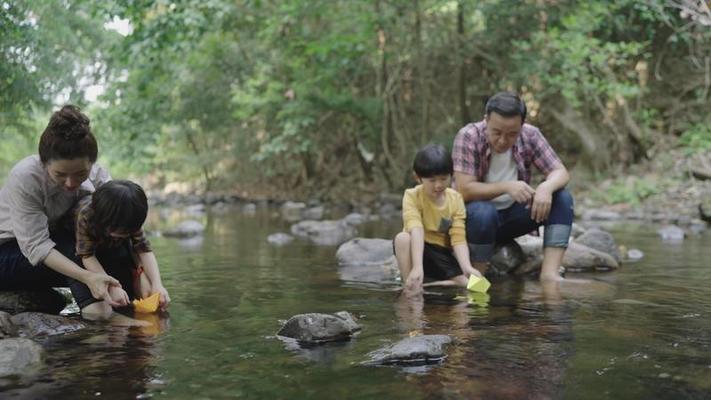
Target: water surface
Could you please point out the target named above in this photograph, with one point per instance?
(640, 332)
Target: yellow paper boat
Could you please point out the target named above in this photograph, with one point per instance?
(147, 305)
(477, 284)
(475, 298)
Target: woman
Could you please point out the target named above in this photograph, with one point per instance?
(36, 239)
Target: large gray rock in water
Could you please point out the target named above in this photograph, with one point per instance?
(324, 233)
(317, 328)
(41, 300)
(7, 328)
(600, 240)
(186, 229)
(292, 211)
(38, 324)
(581, 258)
(417, 350)
(19, 356)
(363, 251)
(506, 258)
(367, 260)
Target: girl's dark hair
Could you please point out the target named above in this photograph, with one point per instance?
(431, 160)
(119, 206)
(506, 104)
(68, 136)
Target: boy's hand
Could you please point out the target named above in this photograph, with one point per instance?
(118, 296)
(468, 271)
(414, 281)
(164, 296)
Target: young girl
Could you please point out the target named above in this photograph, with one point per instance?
(110, 239)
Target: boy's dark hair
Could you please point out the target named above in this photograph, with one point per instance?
(68, 136)
(118, 206)
(506, 104)
(431, 160)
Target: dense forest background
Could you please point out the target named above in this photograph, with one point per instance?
(330, 99)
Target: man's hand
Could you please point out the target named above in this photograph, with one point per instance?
(541, 203)
(520, 191)
(414, 281)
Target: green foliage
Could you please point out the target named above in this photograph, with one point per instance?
(697, 139)
(631, 191)
(312, 95)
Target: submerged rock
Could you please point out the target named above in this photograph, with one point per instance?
(671, 233)
(186, 229)
(38, 324)
(19, 356)
(41, 300)
(280, 238)
(417, 350)
(324, 233)
(314, 328)
(635, 254)
(600, 240)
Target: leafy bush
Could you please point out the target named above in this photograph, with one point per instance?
(697, 139)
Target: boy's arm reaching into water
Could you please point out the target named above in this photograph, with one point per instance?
(417, 248)
(150, 268)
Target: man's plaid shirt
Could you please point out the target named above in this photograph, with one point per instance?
(471, 152)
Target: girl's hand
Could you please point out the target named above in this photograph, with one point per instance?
(164, 296)
(118, 296)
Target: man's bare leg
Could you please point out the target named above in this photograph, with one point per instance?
(552, 260)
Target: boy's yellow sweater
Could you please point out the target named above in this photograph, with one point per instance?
(443, 226)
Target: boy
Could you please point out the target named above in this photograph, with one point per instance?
(433, 241)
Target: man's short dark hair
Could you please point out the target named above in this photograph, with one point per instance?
(431, 160)
(506, 104)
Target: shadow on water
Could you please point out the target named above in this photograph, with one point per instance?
(640, 332)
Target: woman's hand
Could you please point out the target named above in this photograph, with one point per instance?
(99, 285)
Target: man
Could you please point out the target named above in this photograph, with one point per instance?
(492, 170)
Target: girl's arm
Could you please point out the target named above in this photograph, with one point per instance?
(150, 268)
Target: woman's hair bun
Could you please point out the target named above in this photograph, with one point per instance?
(70, 123)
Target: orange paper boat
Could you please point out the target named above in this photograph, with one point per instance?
(147, 305)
